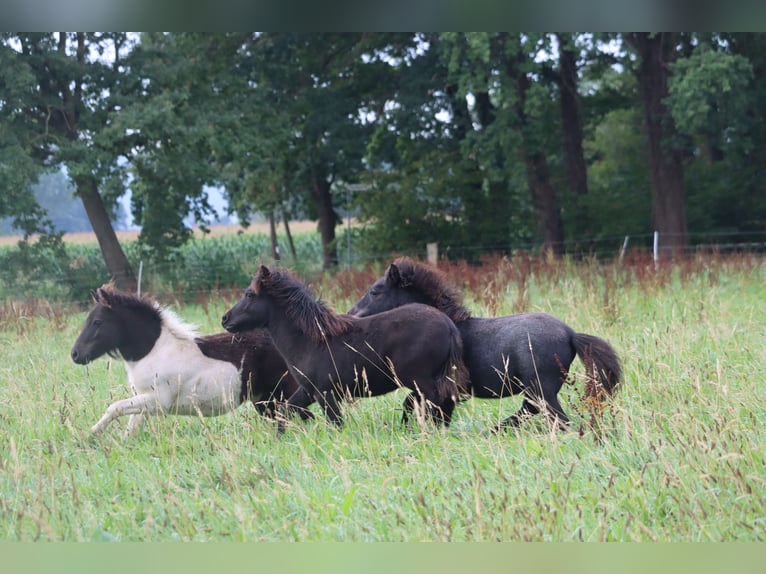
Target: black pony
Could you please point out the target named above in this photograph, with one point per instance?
(172, 369)
(334, 356)
(526, 353)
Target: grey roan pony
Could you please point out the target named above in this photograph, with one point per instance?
(333, 356)
(527, 353)
(172, 370)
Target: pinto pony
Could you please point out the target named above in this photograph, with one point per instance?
(528, 353)
(173, 370)
(334, 356)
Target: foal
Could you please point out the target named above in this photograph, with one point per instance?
(528, 353)
(334, 356)
(173, 370)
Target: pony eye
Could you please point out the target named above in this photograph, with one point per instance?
(98, 322)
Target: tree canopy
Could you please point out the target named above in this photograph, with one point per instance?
(481, 141)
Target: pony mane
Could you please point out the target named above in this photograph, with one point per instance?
(312, 316)
(109, 296)
(435, 285)
(177, 327)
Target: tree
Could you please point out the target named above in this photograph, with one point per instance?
(317, 137)
(570, 114)
(656, 53)
(514, 100)
(168, 113)
(465, 142)
(712, 98)
(55, 194)
(422, 188)
(541, 186)
(55, 101)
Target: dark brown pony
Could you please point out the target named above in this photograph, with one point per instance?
(172, 369)
(334, 356)
(527, 353)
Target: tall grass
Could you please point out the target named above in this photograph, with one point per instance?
(678, 454)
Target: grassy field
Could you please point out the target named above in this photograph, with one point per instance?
(677, 456)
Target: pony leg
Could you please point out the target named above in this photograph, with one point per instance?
(531, 406)
(298, 402)
(440, 414)
(138, 405)
(410, 402)
(331, 407)
(443, 414)
(528, 409)
(135, 424)
(556, 415)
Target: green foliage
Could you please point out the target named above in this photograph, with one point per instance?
(618, 184)
(34, 270)
(166, 118)
(207, 264)
(451, 130)
(709, 95)
(61, 271)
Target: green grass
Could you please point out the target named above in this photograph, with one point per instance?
(679, 454)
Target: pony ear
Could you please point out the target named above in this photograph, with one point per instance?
(263, 274)
(392, 275)
(398, 276)
(102, 297)
(94, 295)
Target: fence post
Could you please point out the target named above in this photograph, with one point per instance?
(624, 248)
(432, 253)
(656, 250)
(140, 273)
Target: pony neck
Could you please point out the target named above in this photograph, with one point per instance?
(140, 333)
(294, 306)
(287, 335)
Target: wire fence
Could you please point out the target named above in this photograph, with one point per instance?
(227, 263)
(602, 248)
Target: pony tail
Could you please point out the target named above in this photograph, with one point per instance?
(602, 365)
(455, 381)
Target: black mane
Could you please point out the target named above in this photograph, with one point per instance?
(435, 285)
(312, 316)
(112, 298)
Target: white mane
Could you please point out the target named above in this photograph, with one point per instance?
(176, 325)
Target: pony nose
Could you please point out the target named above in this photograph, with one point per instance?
(225, 318)
(77, 357)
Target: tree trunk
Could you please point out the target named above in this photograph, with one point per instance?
(273, 236)
(541, 188)
(577, 173)
(328, 219)
(665, 160)
(290, 241)
(114, 257)
(570, 116)
(545, 202)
